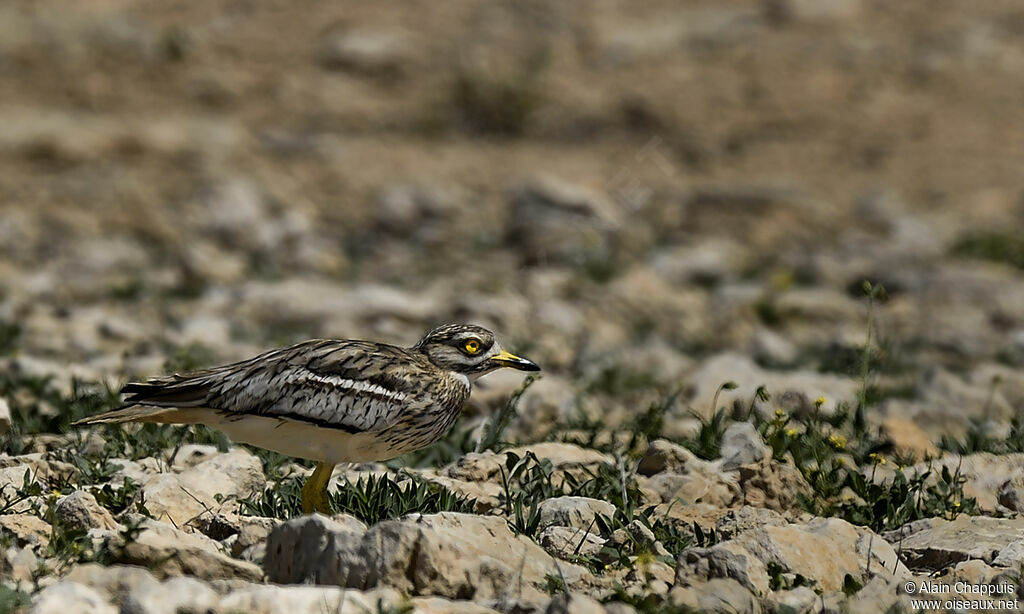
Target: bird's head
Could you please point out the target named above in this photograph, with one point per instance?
(469, 350)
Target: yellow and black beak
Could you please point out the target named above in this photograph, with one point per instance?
(506, 359)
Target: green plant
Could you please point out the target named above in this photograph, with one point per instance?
(372, 499)
(995, 246)
(496, 104)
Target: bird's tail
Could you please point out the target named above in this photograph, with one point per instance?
(139, 413)
(170, 400)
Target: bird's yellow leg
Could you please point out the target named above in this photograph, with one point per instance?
(314, 491)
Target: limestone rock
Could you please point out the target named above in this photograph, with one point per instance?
(573, 512)
(716, 595)
(773, 485)
(266, 599)
(451, 555)
(565, 543)
(574, 603)
(26, 529)
(80, 511)
(181, 497)
(742, 445)
(824, 550)
(168, 551)
(57, 598)
(734, 522)
(553, 220)
(934, 543)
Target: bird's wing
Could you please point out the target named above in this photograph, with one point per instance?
(355, 386)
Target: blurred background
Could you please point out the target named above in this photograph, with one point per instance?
(642, 197)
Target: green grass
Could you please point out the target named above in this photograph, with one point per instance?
(372, 499)
(994, 246)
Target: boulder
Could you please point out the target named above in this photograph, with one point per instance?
(457, 556)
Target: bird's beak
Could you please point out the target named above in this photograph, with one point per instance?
(506, 359)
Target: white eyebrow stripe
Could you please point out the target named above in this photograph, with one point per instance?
(350, 384)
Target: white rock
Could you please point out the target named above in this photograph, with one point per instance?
(5, 416)
(64, 597)
(182, 497)
(573, 512)
(742, 445)
(448, 555)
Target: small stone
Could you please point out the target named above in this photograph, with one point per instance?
(378, 53)
(80, 511)
(742, 445)
(574, 603)
(573, 512)
(566, 543)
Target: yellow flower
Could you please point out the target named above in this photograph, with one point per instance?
(779, 413)
(792, 432)
(819, 401)
(838, 441)
(841, 461)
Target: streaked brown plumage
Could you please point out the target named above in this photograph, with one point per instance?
(329, 400)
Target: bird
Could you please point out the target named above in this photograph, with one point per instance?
(328, 400)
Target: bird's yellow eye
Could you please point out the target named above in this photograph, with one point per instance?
(472, 346)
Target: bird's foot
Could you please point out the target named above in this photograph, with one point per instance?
(314, 491)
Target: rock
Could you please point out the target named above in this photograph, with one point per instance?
(1011, 494)
(250, 543)
(113, 582)
(57, 598)
(882, 593)
(574, 603)
(367, 52)
(27, 530)
(720, 595)
(137, 590)
(5, 416)
(773, 485)
(702, 484)
(934, 543)
(450, 555)
(573, 512)
(566, 543)
(662, 455)
(746, 518)
(986, 475)
(799, 600)
(909, 438)
(297, 549)
(182, 497)
(80, 511)
(813, 10)
(414, 211)
(168, 551)
(742, 445)
(263, 599)
(1010, 556)
(554, 221)
(824, 550)
(19, 566)
(437, 605)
